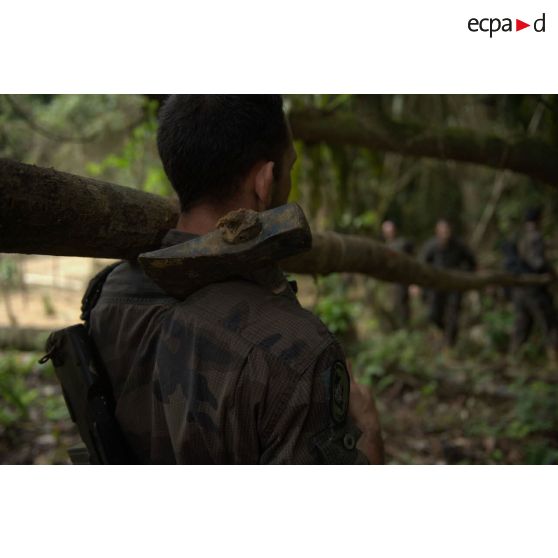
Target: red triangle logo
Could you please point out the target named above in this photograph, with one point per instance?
(519, 25)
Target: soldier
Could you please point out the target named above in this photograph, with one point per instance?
(238, 372)
(400, 293)
(534, 303)
(446, 251)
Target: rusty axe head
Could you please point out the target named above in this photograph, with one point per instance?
(243, 242)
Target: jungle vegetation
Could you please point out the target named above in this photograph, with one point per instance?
(477, 160)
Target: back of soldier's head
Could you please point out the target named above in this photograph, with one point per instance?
(534, 215)
(444, 230)
(208, 143)
(389, 229)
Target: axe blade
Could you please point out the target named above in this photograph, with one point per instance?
(183, 268)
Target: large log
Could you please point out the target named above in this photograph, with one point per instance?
(23, 339)
(44, 211)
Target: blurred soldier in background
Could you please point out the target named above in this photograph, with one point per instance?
(400, 293)
(447, 252)
(534, 303)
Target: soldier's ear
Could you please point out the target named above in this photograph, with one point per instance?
(263, 186)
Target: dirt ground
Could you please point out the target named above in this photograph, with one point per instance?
(50, 296)
(51, 290)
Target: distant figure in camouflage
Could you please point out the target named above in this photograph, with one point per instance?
(446, 251)
(238, 372)
(534, 304)
(400, 293)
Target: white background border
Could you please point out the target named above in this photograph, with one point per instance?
(290, 47)
(283, 512)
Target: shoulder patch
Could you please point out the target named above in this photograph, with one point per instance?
(339, 394)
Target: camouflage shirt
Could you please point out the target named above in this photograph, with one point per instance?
(531, 249)
(236, 373)
(454, 255)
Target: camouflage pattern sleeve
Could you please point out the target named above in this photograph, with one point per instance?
(532, 251)
(305, 414)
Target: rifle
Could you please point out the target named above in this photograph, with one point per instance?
(88, 396)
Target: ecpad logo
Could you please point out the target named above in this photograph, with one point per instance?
(493, 25)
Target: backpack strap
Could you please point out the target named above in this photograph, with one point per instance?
(93, 291)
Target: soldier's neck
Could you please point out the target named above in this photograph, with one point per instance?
(203, 218)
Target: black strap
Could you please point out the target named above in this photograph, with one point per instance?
(294, 285)
(93, 291)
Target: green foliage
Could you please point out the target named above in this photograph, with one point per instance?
(35, 426)
(55, 408)
(79, 116)
(295, 194)
(14, 392)
(498, 323)
(22, 391)
(137, 163)
(65, 125)
(336, 313)
(10, 272)
(534, 421)
(535, 410)
(333, 307)
(364, 223)
(538, 452)
(48, 305)
(384, 357)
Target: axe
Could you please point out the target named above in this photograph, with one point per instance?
(244, 242)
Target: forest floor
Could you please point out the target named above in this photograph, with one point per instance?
(471, 404)
(470, 414)
(461, 414)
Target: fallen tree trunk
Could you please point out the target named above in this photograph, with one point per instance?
(23, 339)
(43, 211)
(529, 156)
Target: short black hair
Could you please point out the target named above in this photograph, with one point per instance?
(208, 143)
(534, 214)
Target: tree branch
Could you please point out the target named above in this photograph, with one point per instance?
(528, 156)
(333, 253)
(24, 115)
